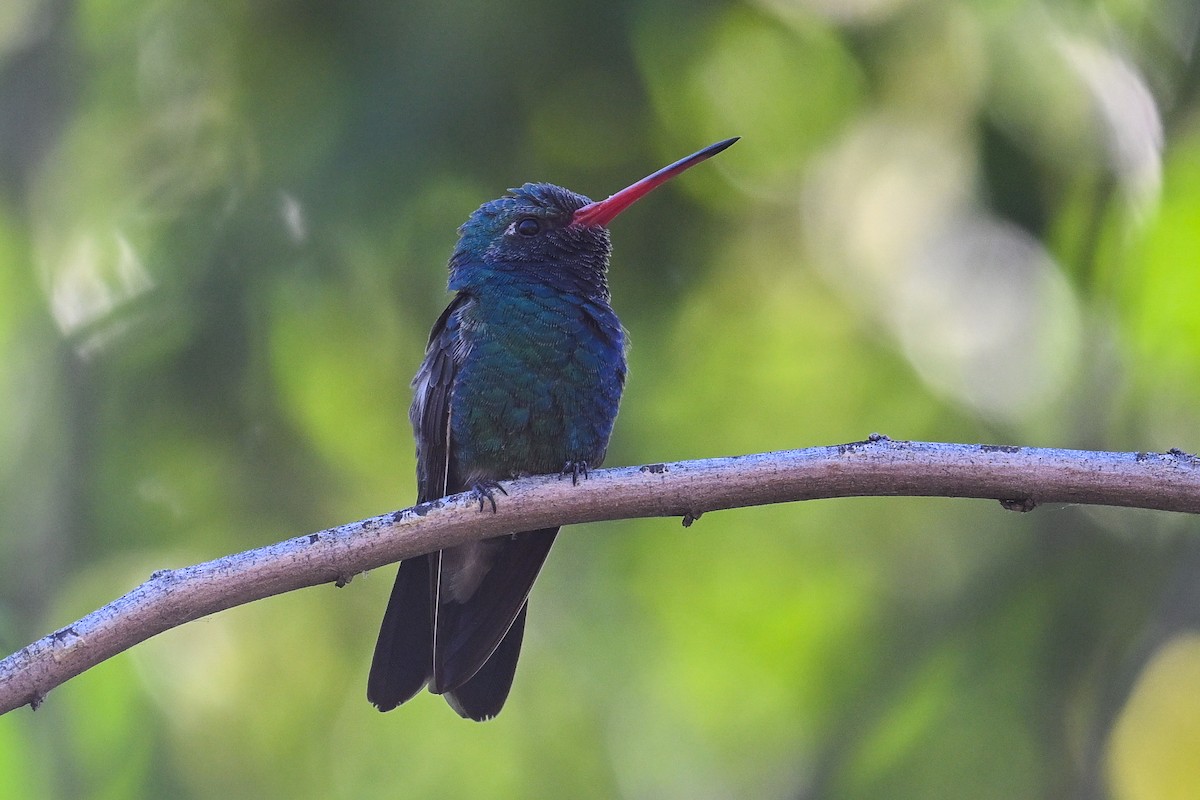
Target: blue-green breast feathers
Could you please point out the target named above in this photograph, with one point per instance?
(539, 384)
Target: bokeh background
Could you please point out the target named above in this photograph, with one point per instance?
(223, 231)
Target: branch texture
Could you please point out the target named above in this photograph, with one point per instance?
(1019, 477)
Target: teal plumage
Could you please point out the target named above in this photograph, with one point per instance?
(523, 374)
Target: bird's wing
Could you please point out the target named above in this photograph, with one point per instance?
(403, 660)
(430, 413)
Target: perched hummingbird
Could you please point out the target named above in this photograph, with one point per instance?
(522, 375)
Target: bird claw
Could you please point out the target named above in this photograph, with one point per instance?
(486, 490)
(575, 469)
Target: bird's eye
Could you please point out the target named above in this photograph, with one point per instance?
(528, 227)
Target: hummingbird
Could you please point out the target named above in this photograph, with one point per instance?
(522, 375)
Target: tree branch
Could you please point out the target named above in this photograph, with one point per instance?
(1019, 477)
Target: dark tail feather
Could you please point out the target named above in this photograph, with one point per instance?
(482, 697)
(403, 661)
(468, 633)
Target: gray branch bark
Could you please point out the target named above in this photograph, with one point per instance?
(1019, 477)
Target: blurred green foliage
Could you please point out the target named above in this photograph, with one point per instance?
(222, 234)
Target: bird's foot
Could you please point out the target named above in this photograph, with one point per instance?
(486, 490)
(575, 469)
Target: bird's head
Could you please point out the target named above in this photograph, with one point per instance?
(529, 230)
(548, 232)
